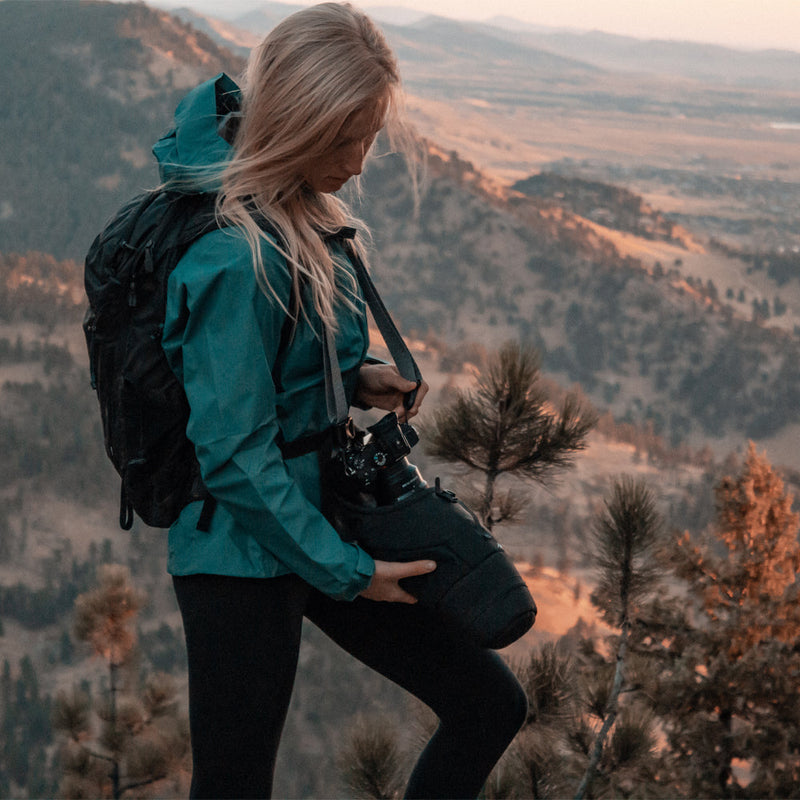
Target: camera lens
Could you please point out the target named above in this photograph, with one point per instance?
(396, 481)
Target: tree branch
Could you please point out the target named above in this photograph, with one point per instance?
(610, 716)
(144, 782)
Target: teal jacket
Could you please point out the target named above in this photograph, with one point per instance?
(221, 336)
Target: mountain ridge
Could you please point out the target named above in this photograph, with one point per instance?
(602, 50)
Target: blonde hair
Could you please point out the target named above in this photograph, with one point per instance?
(311, 73)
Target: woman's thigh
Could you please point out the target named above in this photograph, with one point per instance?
(412, 647)
(242, 640)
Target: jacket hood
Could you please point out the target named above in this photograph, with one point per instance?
(193, 153)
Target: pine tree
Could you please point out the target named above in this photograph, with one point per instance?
(589, 733)
(727, 649)
(542, 761)
(626, 537)
(142, 739)
(371, 760)
(505, 427)
(25, 732)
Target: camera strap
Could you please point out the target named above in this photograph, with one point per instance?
(401, 355)
(335, 398)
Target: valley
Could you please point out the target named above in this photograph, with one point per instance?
(678, 322)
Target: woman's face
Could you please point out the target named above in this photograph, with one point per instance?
(345, 158)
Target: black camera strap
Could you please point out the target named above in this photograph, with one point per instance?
(338, 410)
(400, 353)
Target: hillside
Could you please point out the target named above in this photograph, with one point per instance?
(640, 336)
(81, 110)
(595, 274)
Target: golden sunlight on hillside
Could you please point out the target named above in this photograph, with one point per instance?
(562, 602)
(692, 260)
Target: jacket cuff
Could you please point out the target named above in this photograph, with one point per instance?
(365, 569)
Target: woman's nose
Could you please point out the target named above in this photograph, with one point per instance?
(354, 162)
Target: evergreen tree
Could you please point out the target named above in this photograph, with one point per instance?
(66, 648)
(726, 653)
(25, 733)
(625, 539)
(5, 684)
(142, 738)
(504, 427)
(546, 758)
(370, 761)
(589, 733)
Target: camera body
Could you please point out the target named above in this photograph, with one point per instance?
(373, 462)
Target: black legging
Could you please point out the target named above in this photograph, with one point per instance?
(243, 638)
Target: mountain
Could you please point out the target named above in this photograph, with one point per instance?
(265, 17)
(699, 61)
(237, 39)
(443, 57)
(597, 282)
(81, 109)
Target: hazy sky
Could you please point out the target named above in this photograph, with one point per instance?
(754, 23)
(746, 23)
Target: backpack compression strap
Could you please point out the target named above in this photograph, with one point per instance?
(207, 512)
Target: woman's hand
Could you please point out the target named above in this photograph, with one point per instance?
(382, 386)
(384, 585)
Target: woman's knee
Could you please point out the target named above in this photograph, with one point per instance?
(511, 705)
(519, 711)
(500, 704)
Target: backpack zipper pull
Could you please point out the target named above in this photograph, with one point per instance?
(132, 292)
(149, 264)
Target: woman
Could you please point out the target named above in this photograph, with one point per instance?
(245, 313)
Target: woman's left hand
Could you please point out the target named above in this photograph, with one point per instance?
(382, 386)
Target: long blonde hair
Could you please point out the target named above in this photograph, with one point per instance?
(313, 71)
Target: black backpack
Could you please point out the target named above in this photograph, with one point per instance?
(143, 405)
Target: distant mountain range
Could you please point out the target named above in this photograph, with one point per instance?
(512, 63)
(704, 62)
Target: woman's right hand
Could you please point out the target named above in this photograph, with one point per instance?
(384, 585)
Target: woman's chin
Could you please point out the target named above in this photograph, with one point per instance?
(330, 185)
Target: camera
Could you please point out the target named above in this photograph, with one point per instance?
(373, 462)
